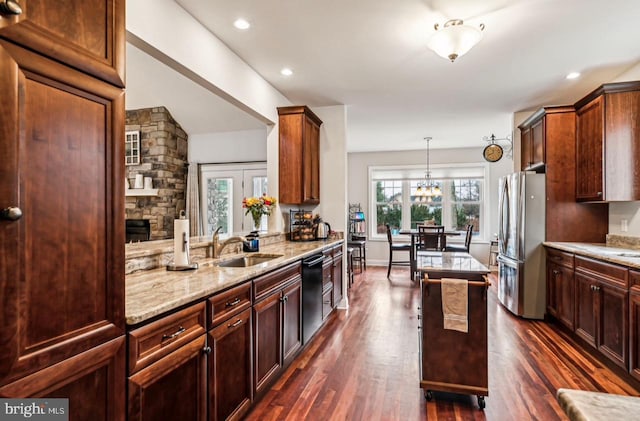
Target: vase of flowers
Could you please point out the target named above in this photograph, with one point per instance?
(258, 206)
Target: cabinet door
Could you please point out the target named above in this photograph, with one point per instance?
(311, 159)
(292, 321)
(173, 388)
(61, 163)
(566, 297)
(267, 340)
(93, 381)
(634, 329)
(554, 293)
(86, 35)
(585, 308)
(525, 148)
(336, 277)
(537, 143)
(589, 151)
(613, 321)
(230, 382)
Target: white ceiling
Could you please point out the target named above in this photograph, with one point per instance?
(151, 83)
(371, 55)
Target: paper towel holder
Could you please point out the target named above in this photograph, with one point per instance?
(185, 249)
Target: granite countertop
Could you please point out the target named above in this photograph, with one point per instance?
(449, 262)
(153, 292)
(629, 257)
(580, 405)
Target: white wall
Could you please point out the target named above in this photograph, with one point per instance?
(358, 188)
(239, 146)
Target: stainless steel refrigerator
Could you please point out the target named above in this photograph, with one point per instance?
(521, 262)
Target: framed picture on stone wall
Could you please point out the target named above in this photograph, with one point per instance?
(132, 147)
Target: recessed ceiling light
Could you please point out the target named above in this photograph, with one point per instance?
(286, 71)
(573, 75)
(241, 24)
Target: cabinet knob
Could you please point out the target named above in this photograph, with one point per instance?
(206, 350)
(12, 213)
(556, 272)
(599, 193)
(10, 7)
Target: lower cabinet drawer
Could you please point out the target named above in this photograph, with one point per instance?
(327, 303)
(149, 343)
(227, 303)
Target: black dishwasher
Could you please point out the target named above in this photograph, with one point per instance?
(311, 295)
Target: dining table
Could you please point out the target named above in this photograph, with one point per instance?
(414, 233)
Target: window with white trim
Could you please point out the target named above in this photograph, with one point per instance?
(394, 200)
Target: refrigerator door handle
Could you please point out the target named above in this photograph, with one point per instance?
(504, 216)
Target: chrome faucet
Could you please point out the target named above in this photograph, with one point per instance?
(217, 246)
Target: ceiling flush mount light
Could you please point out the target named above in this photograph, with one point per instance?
(241, 24)
(454, 39)
(427, 189)
(286, 71)
(573, 75)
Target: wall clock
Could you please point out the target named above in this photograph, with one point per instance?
(493, 152)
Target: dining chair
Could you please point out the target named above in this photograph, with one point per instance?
(431, 237)
(467, 242)
(396, 248)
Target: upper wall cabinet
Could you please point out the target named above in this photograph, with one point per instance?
(608, 144)
(552, 137)
(299, 163)
(86, 35)
(533, 143)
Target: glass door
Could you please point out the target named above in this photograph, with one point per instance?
(222, 188)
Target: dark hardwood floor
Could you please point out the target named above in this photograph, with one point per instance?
(363, 365)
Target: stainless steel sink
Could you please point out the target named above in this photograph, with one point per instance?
(248, 260)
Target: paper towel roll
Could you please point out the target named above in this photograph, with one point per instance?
(181, 242)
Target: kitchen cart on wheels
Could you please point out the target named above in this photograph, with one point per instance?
(453, 361)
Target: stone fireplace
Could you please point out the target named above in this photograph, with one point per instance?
(163, 157)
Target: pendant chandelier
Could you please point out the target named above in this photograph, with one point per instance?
(427, 189)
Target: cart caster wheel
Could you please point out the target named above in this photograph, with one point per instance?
(428, 395)
(481, 403)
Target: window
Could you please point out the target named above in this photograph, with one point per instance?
(461, 203)
(132, 148)
(388, 205)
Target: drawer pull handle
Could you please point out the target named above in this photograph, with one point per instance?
(233, 303)
(179, 332)
(237, 323)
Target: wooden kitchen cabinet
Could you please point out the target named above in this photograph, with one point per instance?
(93, 381)
(602, 309)
(167, 367)
(230, 362)
(230, 381)
(561, 287)
(62, 165)
(299, 156)
(327, 284)
(634, 323)
(549, 145)
(532, 146)
(277, 315)
(608, 135)
(172, 388)
(337, 275)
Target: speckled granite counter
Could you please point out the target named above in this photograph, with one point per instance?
(580, 405)
(623, 256)
(153, 292)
